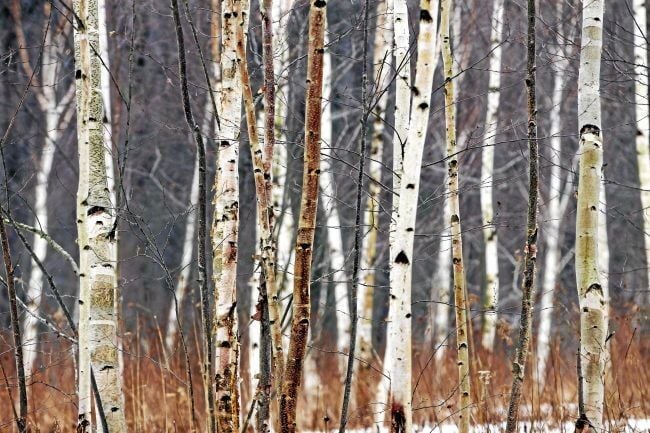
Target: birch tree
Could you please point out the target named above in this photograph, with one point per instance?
(58, 113)
(98, 345)
(402, 114)
(456, 231)
(556, 203)
(382, 58)
(642, 123)
(491, 290)
(593, 303)
(528, 288)
(334, 232)
(225, 225)
(402, 253)
(307, 220)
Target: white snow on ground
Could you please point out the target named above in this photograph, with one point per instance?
(630, 426)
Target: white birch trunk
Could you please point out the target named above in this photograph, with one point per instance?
(182, 285)
(402, 253)
(593, 303)
(554, 215)
(382, 65)
(643, 126)
(401, 45)
(56, 121)
(225, 226)
(333, 220)
(98, 345)
(491, 290)
(441, 284)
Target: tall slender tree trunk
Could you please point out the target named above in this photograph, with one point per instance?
(401, 45)
(528, 288)
(593, 302)
(491, 291)
(460, 290)
(557, 197)
(382, 59)
(401, 406)
(307, 220)
(183, 282)
(98, 345)
(335, 242)
(57, 118)
(642, 125)
(225, 225)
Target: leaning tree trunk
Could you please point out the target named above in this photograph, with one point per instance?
(307, 219)
(530, 250)
(225, 224)
(57, 117)
(593, 303)
(401, 45)
(456, 239)
(642, 125)
(491, 291)
(402, 254)
(334, 230)
(98, 345)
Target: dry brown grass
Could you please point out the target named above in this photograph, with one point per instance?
(157, 398)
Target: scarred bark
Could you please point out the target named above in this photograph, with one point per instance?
(593, 303)
(307, 219)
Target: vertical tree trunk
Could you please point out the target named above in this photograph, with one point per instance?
(382, 59)
(460, 291)
(98, 345)
(262, 158)
(307, 220)
(593, 303)
(338, 276)
(182, 285)
(441, 284)
(399, 16)
(491, 291)
(530, 250)
(21, 419)
(555, 212)
(402, 254)
(225, 225)
(642, 125)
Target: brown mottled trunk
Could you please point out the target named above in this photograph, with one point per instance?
(262, 170)
(307, 219)
(530, 250)
(460, 291)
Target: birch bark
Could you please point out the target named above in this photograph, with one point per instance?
(382, 59)
(400, 48)
(593, 303)
(402, 254)
(456, 231)
(225, 225)
(57, 118)
(643, 124)
(98, 345)
(555, 208)
(307, 220)
(334, 232)
(491, 291)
